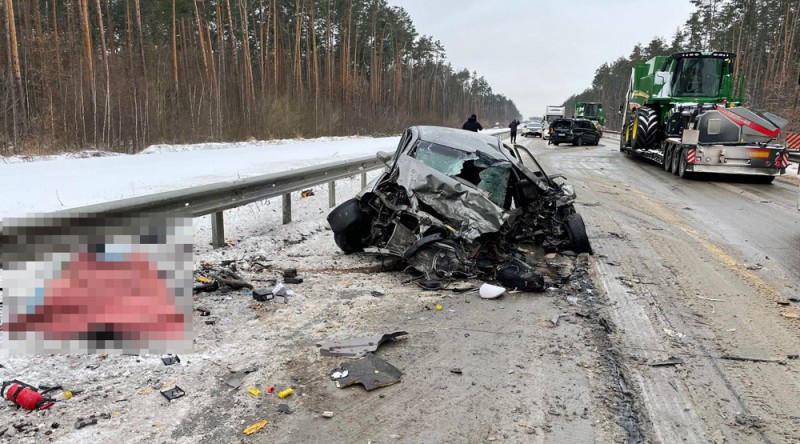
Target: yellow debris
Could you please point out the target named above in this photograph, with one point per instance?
(255, 427)
(254, 391)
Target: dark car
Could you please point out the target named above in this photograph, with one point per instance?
(574, 131)
(456, 203)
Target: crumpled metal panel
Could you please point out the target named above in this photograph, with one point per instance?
(450, 198)
(357, 346)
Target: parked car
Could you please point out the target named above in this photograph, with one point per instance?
(574, 131)
(456, 203)
(532, 129)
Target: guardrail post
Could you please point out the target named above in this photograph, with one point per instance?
(217, 230)
(331, 194)
(287, 208)
(364, 180)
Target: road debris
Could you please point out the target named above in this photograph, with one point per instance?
(370, 371)
(338, 374)
(357, 346)
(253, 428)
(489, 291)
(173, 393)
(555, 318)
(284, 408)
(327, 414)
(234, 380)
(307, 193)
(284, 393)
(710, 299)
(749, 359)
(254, 391)
(456, 371)
(671, 361)
(170, 359)
(91, 420)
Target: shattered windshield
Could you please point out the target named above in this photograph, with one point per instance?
(475, 169)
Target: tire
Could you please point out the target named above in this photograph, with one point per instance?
(580, 141)
(348, 244)
(555, 143)
(576, 230)
(683, 172)
(668, 159)
(676, 159)
(348, 223)
(645, 129)
(763, 179)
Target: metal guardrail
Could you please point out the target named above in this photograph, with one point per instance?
(215, 198)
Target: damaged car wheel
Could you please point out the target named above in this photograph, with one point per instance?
(576, 230)
(349, 223)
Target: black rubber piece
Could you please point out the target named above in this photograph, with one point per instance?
(576, 230)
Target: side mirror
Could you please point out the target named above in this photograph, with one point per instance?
(385, 157)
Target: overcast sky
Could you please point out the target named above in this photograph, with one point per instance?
(538, 52)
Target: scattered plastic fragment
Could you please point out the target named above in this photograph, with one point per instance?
(254, 391)
(170, 359)
(255, 427)
(173, 393)
(327, 414)
(293, 280)
(285, 393)
(370, 371)
(439, 307)
(356, 346)
(270, 390)
(456, 371)
(339, 374)
(489, 291)
(67, 394)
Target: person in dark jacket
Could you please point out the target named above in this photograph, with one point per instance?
(472, 124)
(513, 125)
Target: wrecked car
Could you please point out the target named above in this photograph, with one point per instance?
(456, 204)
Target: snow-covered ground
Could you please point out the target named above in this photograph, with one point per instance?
(52, 183)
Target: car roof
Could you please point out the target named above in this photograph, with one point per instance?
(459, 139)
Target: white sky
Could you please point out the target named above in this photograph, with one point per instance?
(539, 52)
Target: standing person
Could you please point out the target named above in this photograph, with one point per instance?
(472, 124)
(514, 124)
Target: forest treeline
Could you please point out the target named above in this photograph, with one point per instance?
(122, 74)
(765, 35)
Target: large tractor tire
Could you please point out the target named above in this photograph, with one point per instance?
(644, 133)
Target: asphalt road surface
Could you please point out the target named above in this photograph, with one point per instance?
(703, 271)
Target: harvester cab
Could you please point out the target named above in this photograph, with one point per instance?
(592, 111)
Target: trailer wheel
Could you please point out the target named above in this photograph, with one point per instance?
(676, 159)
(576, 230)
(668, 153)
(682, 166)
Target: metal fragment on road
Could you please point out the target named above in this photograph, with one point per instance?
(667, 362)
(356, 346)
(370, 371)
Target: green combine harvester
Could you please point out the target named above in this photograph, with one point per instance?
(592, 111)
(684, 112)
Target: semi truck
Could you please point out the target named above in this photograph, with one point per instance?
(551, 113)
(684, 112)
